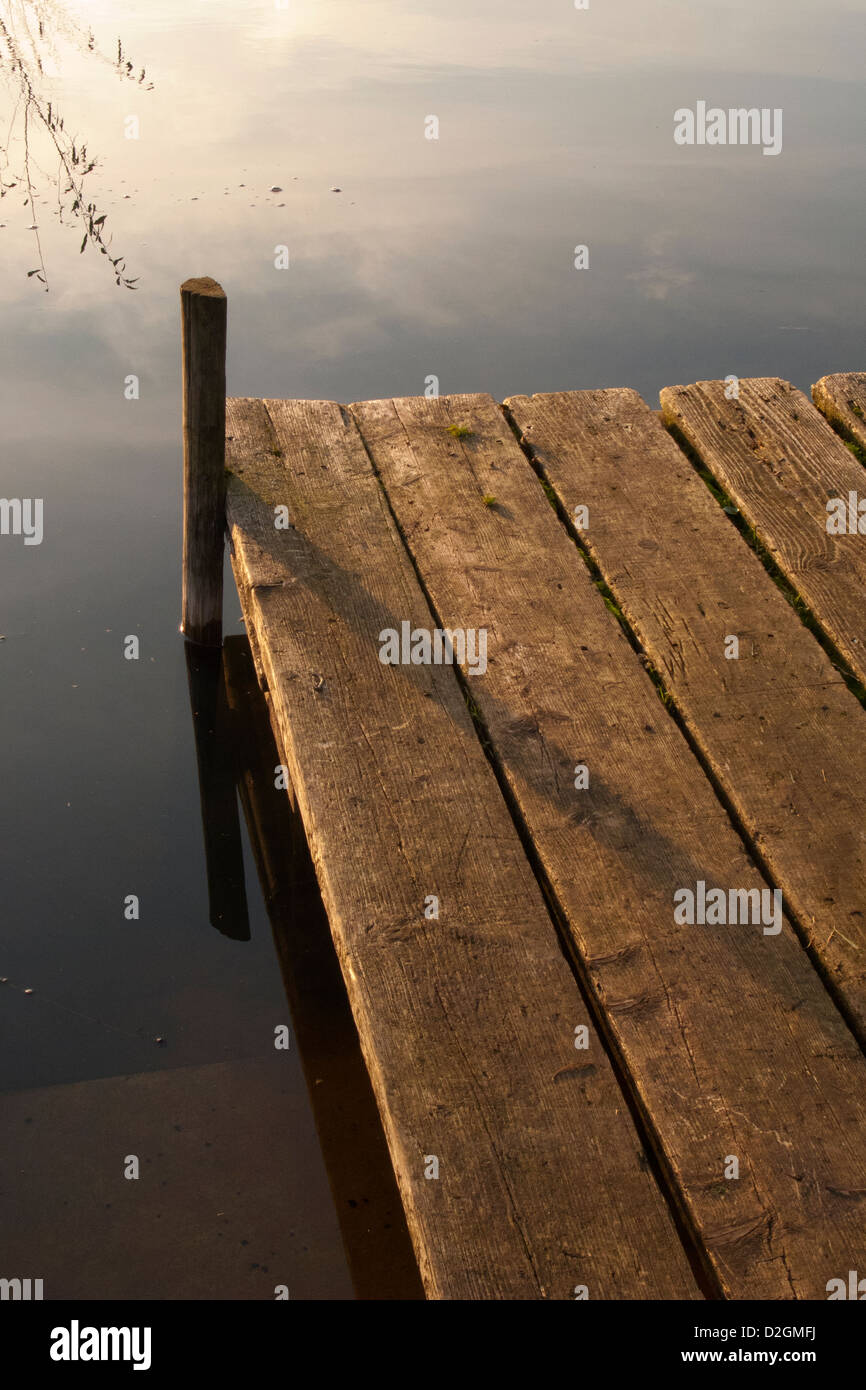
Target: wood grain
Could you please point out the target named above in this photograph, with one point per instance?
(731, 1043)
(466, 1022)
(779, 729)
(842, 398)
(780, 461)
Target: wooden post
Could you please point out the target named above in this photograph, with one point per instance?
(203, 313)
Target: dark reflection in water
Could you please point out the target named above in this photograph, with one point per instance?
(224, 863)
(237, 1145)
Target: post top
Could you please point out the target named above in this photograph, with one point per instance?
(203, 285)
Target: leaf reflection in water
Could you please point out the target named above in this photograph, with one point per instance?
(29, 30)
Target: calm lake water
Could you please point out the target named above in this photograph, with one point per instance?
(451, 257)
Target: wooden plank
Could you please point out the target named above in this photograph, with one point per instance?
(364, 1188)
(732, 1045)
(467, 1022)
(780, 461)
(842, 398)
(781, 733)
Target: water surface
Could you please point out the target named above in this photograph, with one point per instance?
(450, 257)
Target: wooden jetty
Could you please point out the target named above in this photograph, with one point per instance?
(584, 1093)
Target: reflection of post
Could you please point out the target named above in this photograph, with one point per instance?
(356, 1156)
(219, 804)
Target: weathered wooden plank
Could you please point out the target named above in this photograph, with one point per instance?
(467, 1022)
(780, 461)
(779, 729)
(842, 398)
(356, 1157)
(732, 1044)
